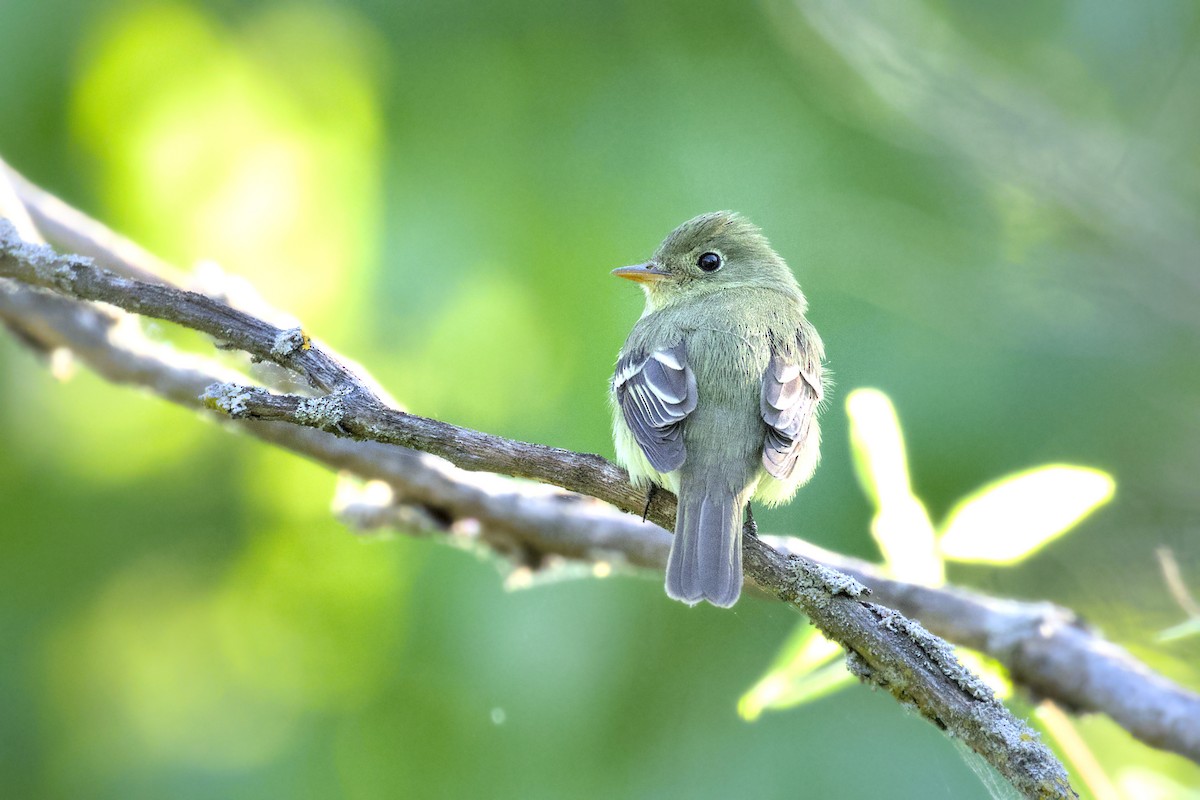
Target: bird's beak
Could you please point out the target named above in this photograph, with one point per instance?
(642, 273)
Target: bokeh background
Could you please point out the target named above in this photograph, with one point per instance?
(992, 207)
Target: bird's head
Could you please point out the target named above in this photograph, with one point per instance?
(710, 253)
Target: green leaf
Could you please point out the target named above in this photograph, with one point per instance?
(1183, 630)
(877, 445)
(776, 693)
(1007, 521)
(801, 672)
(901, 526)
(906, 539)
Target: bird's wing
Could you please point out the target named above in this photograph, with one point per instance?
(791, 391)
(655, 393)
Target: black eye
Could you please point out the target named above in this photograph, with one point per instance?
(709, 262)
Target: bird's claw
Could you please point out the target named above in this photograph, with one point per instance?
(649, 499)
(750, 527)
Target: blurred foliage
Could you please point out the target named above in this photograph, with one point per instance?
(1003, 523)
(1013, 518)
(803, 671)
(990, 207)
(1184, 629)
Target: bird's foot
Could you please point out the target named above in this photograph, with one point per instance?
(649, 499)
(750, 528)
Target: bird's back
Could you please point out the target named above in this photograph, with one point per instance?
(729, 336)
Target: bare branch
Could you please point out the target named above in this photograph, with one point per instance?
(1173, 577)
(1045, 648)
(539, 521)
(545, 521)
(75, 232)
(882, 646)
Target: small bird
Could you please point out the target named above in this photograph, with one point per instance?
(715, 393)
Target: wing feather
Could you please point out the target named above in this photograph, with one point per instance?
(656, 392)
(791, 392)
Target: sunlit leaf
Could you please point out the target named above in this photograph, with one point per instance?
(906, 539)
(1014, 517)
(1181, 631)
(797, 675)
(805, 649)
(1145, 784)
(901, 526)
(877, 445)
(777, 693)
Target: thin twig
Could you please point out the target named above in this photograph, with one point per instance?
(1173, 576)
(1087, 767)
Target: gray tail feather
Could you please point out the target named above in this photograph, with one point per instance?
(706, 552)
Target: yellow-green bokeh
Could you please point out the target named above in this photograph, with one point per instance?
(989, 208)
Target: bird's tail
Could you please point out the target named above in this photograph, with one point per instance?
(706, 553)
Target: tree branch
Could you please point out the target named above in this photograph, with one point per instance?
(883, 647)
(1044, 647)
(536, 522)
(1046, 657)
(1087, 674)
(544, 522)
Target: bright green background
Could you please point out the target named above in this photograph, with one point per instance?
(440, 189)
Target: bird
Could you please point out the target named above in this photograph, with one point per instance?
(716, 393)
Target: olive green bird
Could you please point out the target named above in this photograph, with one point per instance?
(716, 391)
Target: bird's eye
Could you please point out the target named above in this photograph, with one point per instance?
(709, 262)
